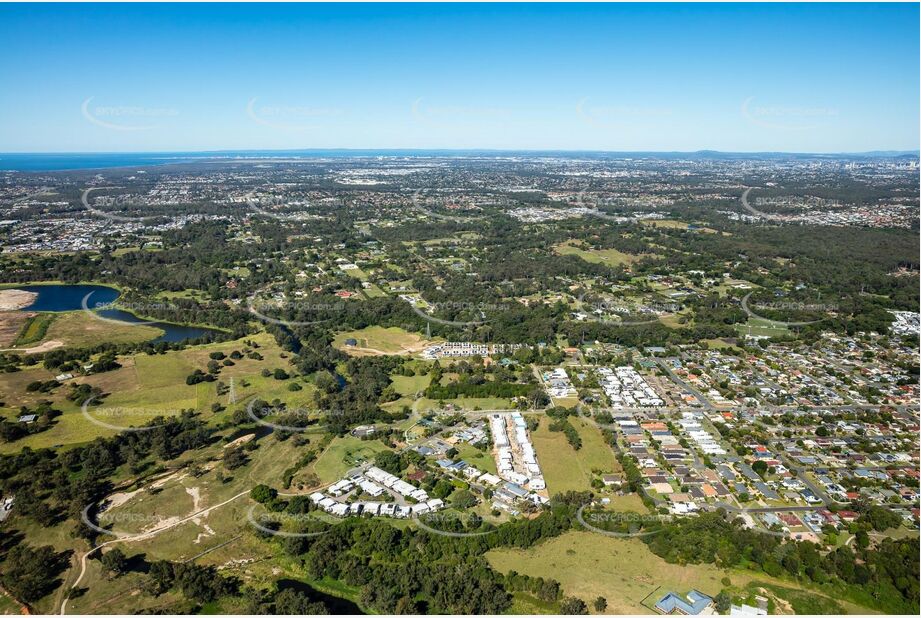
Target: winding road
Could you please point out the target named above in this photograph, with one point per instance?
(142, 537)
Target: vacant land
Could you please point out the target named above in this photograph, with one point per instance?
(759, 327)
(149, 385)
(611, 257)
(376, 340)
(408, 386)
(566, 469)
(590, 565)
(221, 536)
(11, 326)
(678, 225)
(373, 291)
(343, 454)
(566, 402)
(467, 403)
(34, 329)
(12, 299)
(482, 460)
(78, 329)
(624, 571)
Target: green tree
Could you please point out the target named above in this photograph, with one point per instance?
(723, 602)
(573, 606)
(114, 561)
(263, 494)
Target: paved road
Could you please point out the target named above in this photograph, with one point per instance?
(801, 474)
(770, 408)
(761, 509)
(687, 387)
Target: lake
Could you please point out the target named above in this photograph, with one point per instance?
(70, 298)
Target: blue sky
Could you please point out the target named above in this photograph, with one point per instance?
(733, 77)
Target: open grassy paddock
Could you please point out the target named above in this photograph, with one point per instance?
(377, 340)
(343, 454)
(626, 573)
(759, 327)
(609, 257)
(149, 385)
(78, 329)
(222, 536)
(566, 469)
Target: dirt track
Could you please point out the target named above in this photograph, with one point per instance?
(44, 347)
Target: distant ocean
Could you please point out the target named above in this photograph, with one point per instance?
(51, 162)
(61, 162)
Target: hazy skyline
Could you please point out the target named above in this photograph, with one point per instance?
(795, 78)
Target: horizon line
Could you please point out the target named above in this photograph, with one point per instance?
(893, 151)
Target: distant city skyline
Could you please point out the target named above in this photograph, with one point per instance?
(743, 78)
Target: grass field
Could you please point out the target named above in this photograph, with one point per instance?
(525, 604)
(788, 600)
(761, 327)
(675, 320)
(77, 329)
(7, 606)
(468, 403)
(11, 326)
(379, 340)
(566, 402)
(343, 454)
(678, 225)
(177, 495)
(589, 565)
(626, 573)
(187, 293)
(34, 329)
(720, 344)
(148, 385)
(611, 257)
(373, 291)
(482, 460)
(565, 468)
(408, 386)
